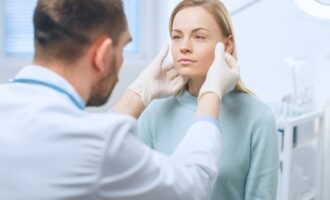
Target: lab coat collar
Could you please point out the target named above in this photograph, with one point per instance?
(39, 73)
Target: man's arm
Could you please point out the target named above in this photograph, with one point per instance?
(132, 171)
(130, 103)
(209, 105)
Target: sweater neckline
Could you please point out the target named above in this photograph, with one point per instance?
(190, 101)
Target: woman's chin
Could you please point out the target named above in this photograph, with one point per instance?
(189, 73)
(188, 76)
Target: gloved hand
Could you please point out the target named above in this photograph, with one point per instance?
(157, 80)
(222, 75)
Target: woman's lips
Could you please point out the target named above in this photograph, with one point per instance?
(186, 61)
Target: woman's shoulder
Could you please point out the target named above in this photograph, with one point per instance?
(247, 105)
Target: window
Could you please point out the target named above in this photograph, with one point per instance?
(18, 27)
(132, 12)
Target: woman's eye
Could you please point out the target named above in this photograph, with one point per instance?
(199, 37)
(175, 37)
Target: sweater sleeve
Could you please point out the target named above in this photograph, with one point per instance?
(262, 178)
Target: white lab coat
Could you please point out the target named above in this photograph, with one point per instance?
(51, 149)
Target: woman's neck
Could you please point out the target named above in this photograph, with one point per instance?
(194, 85)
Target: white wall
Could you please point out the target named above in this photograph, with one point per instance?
(266, 33)
(271, 30)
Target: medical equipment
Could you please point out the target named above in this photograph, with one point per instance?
(301, 136)
(301, 98)
(301, 161)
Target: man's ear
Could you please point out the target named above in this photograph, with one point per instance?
(229, 45)
(102, 57)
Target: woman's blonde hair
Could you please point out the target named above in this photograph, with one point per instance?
(221, 15)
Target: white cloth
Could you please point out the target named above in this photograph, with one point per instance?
(51, 149)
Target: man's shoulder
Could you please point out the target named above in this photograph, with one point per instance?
(110, 120)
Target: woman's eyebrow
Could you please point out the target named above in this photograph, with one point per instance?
(176, 30)
(194, 30)
(199, 29)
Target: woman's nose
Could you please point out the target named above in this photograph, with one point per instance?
(186, 46)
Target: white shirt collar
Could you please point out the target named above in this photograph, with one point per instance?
(43, 74)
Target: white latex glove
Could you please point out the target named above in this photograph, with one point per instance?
(157, 81)
(222, 75)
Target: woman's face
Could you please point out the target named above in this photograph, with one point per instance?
(194, 36)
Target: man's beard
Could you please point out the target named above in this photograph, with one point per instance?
(103, 89)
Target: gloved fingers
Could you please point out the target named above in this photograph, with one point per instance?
(172, 74)
(219, 51)
(162, 55)
(168, 67)
(178, 83)
(232, 63)
(230, 60)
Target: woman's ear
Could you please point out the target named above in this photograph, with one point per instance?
(229, 45)
(102, 56)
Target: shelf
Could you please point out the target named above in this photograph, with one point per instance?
(305, 144)
(304, 153)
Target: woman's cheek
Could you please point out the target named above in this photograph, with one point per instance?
(207, 59)
(174, 53)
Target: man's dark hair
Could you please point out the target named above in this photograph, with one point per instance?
(64, 28)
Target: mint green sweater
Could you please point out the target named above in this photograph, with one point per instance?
(249, 162)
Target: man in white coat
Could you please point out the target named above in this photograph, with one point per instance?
(50, 148)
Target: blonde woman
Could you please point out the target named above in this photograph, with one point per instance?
(249, 162)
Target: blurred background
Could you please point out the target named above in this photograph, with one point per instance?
(283, 49)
